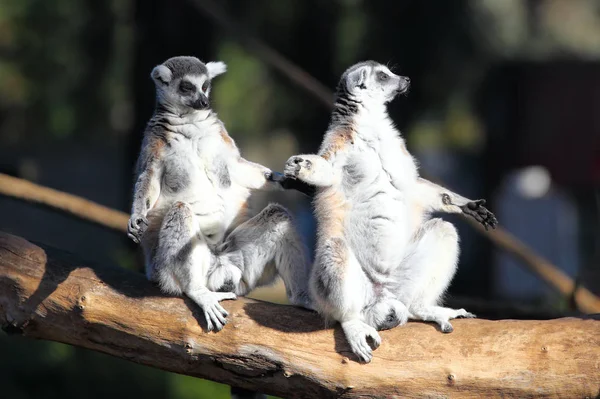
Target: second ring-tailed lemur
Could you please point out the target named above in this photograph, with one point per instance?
(190, 202)
(380, 257)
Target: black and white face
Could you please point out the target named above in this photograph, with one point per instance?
(371, 81)
(183, 83)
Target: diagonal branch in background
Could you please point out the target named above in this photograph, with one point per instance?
(116, 220)
(45, 294)
(296, 74)
(67, 203)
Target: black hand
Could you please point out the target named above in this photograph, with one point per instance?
(289, 183)
(477, 211)
(137, 227)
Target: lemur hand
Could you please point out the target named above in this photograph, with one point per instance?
(290, 183)
(477, 211)
(297, 166)
(136, 227)
(214, 313)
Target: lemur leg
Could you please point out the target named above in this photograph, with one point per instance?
(340, 291)
(427, 271)
(260, 249)
(181, 262)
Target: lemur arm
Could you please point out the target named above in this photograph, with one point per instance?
(257, 177)
(147, 188)
(252, 175)
(318, 170)
(436, 198)
(311, 169)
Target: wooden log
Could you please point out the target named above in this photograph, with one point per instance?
(283, 350)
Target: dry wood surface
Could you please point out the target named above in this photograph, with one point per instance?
(283, 350)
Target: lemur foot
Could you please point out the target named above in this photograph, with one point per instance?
(214, 313)
(477, 211)
(137, 227)
(297, 167)
(441, 316)
(356, 333)
(445, 325)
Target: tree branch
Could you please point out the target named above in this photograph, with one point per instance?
(270, 56)
(68, 203)
(282, 350)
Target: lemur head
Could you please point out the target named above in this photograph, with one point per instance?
(183, 83)
(372, 82)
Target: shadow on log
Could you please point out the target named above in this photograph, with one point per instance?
(286, 351)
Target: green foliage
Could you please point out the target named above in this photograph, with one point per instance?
(63, 68)
(184, 387)
(242, 95)
(40, 369)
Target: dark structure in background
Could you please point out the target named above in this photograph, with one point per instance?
(68, 135)
(547, 114)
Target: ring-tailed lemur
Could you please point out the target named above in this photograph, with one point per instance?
(380, 258)
(190, 202)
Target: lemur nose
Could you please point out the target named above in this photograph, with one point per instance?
(407, 79)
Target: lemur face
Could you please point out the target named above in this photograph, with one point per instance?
(183, 83)
(372, 81)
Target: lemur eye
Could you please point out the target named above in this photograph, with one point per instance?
(205, 86)
(382, 76)
(186, 87)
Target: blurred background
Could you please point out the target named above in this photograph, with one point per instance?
(504, 105)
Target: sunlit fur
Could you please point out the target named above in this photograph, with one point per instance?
(190, 202)
(380, 258)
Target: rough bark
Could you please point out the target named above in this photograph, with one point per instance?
(286, 351)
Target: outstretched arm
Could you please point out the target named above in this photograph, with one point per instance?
(436, 198)
(147, 188)
(318, 170)
(258, 177)
(252, 175)
(311, 169)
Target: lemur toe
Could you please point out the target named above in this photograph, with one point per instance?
(214, 320)
(465, 314)
(209, 324)
(218, 317)
(375, 340)
(363, 351)
(222, 296)
(446, 327)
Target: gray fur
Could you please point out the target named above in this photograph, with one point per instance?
(222, 172)
(185, 214)
(353, 174)
(183, 66)
(379, 258)
(176, 178)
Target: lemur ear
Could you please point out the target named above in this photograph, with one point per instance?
(215, 68)
(161, 74)
(357, 78)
